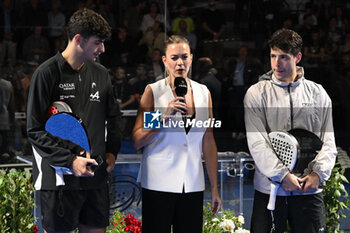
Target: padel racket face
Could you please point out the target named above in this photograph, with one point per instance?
(310, 144)
(286, 148)
(67, 126)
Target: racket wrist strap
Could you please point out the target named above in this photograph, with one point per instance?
(273, 181)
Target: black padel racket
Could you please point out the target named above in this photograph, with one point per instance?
(310, 144)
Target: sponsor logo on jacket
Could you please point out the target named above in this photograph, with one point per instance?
(67, 86)
(95, 96)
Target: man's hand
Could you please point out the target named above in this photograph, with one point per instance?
(291, 183)
(310, 183)
(80, 165)
(110, 159)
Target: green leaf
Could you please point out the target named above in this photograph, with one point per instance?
(337, 193)
(344, 179)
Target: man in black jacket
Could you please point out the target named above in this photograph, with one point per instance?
(80, 201)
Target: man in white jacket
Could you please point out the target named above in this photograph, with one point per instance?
(282, 100)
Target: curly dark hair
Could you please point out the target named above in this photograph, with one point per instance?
(88, 23)
(286, 40)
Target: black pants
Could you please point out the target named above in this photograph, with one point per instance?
(305, 214)
(161, 210)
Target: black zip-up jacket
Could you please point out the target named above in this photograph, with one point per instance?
(89, 94)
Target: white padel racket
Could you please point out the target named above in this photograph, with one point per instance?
(286, 148)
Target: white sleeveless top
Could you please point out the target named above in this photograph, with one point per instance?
(173, 161)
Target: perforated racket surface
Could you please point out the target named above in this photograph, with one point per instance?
(286, 148)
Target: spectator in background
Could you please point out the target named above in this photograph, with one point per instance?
(126, 98)
(314, 57)
(246, 73)
(335, 33)
(152, 16)
(33, 14)
(175, 28)
(191, 37)
(154, 39)
(213, 25)
(36, 47)
(56, 23)
(206, 77)
(104, 10)
(287, 23)
(133, 19)
(305, 29)
(61, 41)
(322, 12)
(344, 53)
(342, 21)
(314, 51)
(8, 23)
(119, 50)
(156, 65)
(140, 81)
(7, 119)
(308, 11)
(213, 22)
(122, 90)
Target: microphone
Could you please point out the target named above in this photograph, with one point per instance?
(180, 86)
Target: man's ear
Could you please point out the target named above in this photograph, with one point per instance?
(299, 56)
(78, 39)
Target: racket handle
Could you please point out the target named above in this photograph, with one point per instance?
(273, 193)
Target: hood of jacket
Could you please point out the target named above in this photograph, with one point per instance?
(270, 76)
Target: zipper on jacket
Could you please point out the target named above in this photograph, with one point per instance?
(79, 111)
(291, 106)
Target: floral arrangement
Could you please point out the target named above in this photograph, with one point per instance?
(224, 222)
(119, 223)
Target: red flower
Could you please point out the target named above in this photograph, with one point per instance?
(35, 229)
(132, 224)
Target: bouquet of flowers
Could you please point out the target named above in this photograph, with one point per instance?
(119, 223)
(226, 222)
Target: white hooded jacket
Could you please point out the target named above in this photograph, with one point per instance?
(272, 105)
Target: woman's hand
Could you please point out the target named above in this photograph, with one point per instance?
(110, 159)
(216, 201)
(176, 105)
